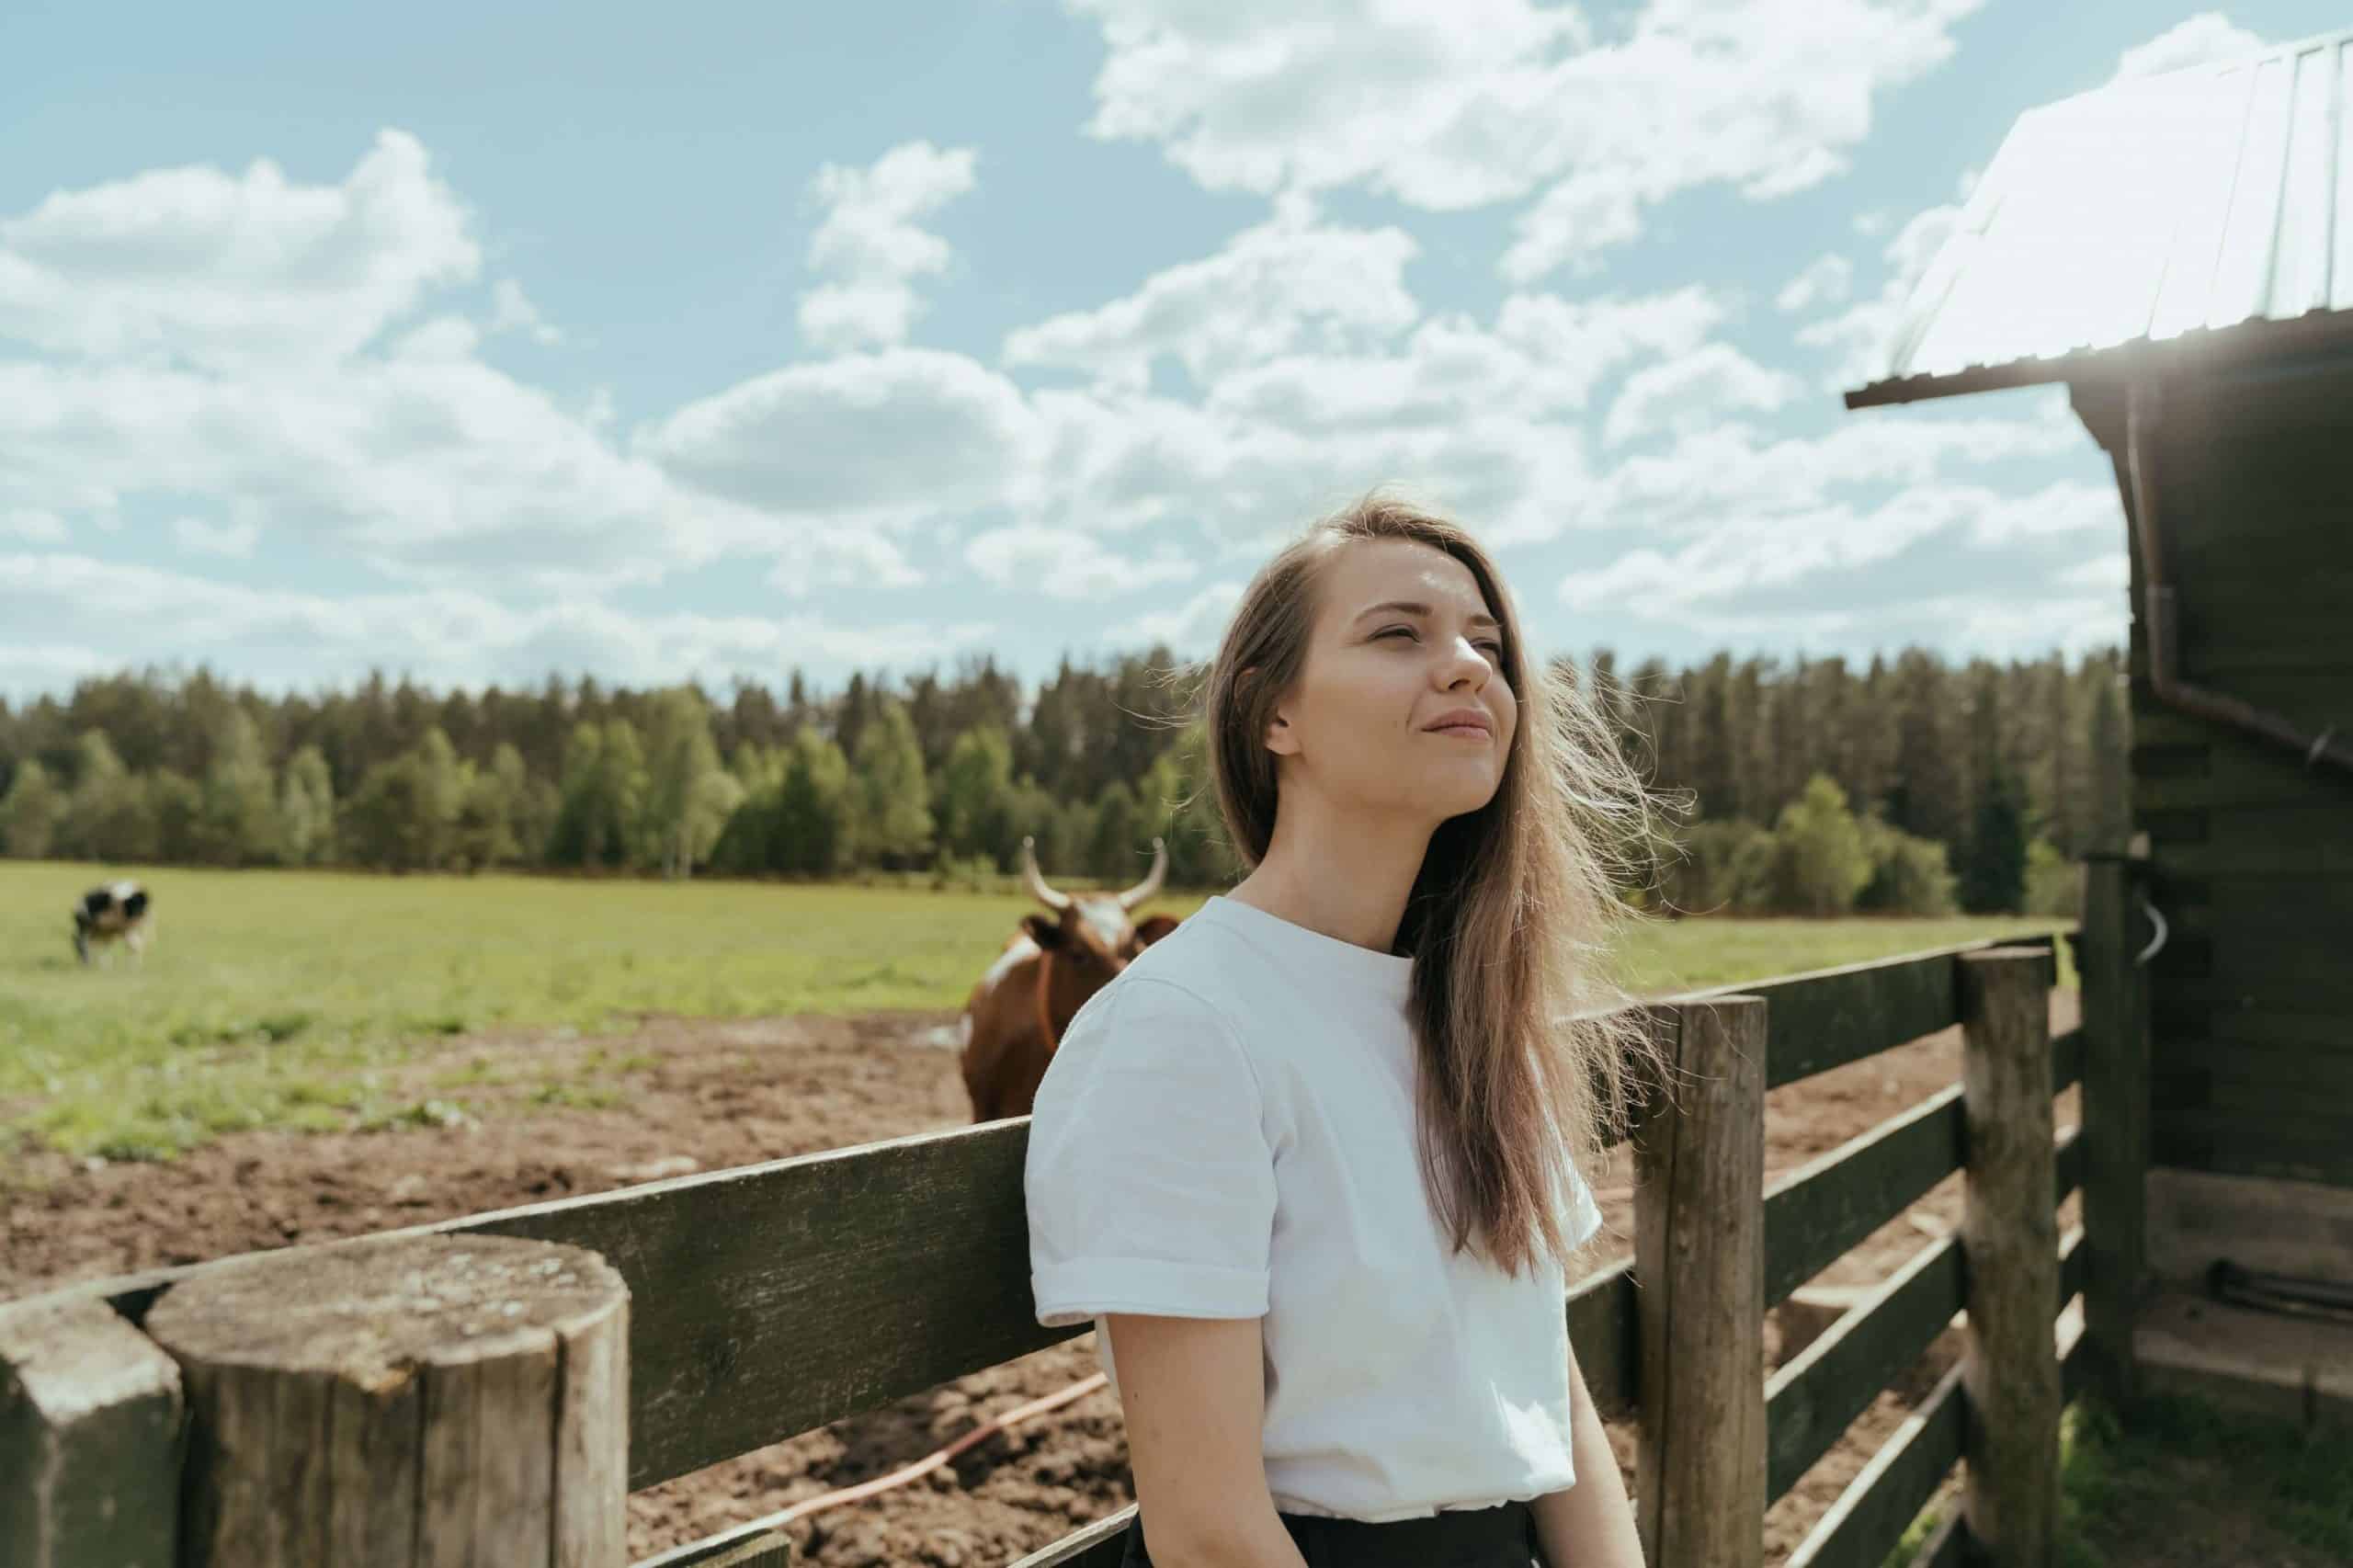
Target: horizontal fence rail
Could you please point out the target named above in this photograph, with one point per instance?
(1826, 1018)
(1870, 1515)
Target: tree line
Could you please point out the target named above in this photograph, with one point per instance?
(1908, 786)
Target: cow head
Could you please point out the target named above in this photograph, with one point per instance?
(1093, 933)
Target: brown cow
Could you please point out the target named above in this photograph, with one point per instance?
(1015, 1016)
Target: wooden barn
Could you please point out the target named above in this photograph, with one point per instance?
(2178, 250)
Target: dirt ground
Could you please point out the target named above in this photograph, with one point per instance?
(726, 1093)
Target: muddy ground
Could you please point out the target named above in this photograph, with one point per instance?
(724, 1094)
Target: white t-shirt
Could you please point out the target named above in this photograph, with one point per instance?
(1228, 1131)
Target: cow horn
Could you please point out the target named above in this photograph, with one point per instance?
(1036, 884)
(1151, 879)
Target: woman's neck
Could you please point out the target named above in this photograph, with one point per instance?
(1339, 879)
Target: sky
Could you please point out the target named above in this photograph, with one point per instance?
(477, 343)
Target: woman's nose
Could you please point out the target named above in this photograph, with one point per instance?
(1464, 662)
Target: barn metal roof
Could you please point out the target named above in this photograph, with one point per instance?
(2214, 199)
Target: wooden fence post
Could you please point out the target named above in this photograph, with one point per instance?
(1699, 1265)
(411, 1401)
(2010, 1235)
(90, 1418)
(2116, 1126)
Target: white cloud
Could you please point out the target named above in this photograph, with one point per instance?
(234, 541)
(2207, 36)
(1064, 564)
(32, 526)
(867, 439)
(1466, 105)
(443, 637)
(431, 467)
(1862, 335)
(1544, 355)
(192, 267)
(1190, 631)
(512, 311)
(872, 246)
(1292, 284)
(1823, 282)
(1997, 624)
(1764, 550)
(1724, 469)
(1692, 389)
(2111, 570)
(2064, 507)
(260, 346)
(1117, 461)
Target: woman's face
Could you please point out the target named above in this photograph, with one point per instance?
(1403, 638)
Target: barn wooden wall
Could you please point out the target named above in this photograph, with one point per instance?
(2252, 852)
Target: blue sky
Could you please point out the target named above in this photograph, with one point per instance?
(726, 338)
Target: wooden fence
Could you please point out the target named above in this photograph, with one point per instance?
(768, 1300)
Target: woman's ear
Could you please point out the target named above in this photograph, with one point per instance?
(1279, 737)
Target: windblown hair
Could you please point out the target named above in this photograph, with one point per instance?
(1528, 1043)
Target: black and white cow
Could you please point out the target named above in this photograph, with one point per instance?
(116, 911)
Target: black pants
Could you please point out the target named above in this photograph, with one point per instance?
(1501, 1537)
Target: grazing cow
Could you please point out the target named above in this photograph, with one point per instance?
(107, 914)
(1015, 1016)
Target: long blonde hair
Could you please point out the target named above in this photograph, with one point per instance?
(1515, 921)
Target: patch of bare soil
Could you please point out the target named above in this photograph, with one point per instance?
(726, 1093)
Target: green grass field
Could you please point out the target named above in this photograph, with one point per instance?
(279, 998)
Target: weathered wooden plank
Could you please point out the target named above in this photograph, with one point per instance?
(2195, 1013)
(907, 1261)
(2297, 971)
(1810, 1401)
(1862, 1527)
(2282, 849)
(1605, 1330)
(2287, 1070)
(1100, 1545)
(90, 1414)
(2010, 1228)
(2066, 1060)
(1816, 1214)
(769, 1549)
(734, 1272)
(2302, 910)
(2067, 1162)
(2073, 1258)
(1828, 1017)
(1946, 1546)
(1699, 1252)
(2237, 1142)
(2235, 779)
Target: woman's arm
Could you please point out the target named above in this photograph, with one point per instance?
(1590, 1524)
(1193, 1391)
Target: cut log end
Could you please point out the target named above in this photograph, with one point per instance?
(411, 1400)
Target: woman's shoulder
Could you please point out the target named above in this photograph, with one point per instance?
(1148, 1023)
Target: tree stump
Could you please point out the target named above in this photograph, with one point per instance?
(425, 1400)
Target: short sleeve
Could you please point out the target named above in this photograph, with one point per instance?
(1584, 1210)
(1149, 1180)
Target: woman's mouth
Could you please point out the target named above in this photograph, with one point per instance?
(1462, 726)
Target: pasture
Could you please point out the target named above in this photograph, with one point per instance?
(283, 999)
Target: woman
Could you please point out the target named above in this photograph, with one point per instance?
(1313, 1162)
